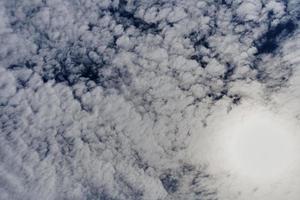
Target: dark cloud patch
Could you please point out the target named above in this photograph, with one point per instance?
(170, 182)
(73, 66)
(199, 59)
(198, 41)
(270, 41)
(127, 19)
(236, 99)
(229, 71)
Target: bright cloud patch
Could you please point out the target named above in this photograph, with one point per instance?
(254, 146)
(261, 147)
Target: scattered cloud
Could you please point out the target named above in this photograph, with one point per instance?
(100, 99)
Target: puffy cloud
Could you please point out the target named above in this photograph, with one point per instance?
(249, 10)
(102, 99)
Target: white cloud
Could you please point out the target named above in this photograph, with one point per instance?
(249, 10)
(101, 99)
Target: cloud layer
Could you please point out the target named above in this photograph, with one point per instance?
(100, 99)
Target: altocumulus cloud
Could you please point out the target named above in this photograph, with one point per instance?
(99, 99)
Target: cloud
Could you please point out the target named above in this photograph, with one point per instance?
(101, 99)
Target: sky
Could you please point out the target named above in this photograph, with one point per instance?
(104, 99)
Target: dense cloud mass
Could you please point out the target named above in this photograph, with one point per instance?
(100, 99)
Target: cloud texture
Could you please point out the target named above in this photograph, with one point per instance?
(100, 99)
